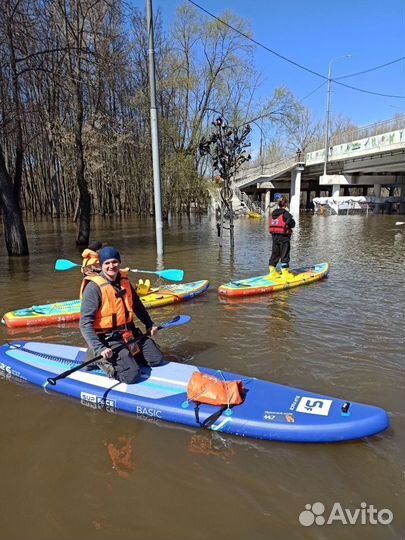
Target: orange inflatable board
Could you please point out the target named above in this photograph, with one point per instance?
(61, 312)
(279, 282)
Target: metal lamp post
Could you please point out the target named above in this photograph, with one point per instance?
(154, 133)
(327, 119)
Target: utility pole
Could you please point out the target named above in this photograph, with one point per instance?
(154, 132)
(327, 119)
(327, 123)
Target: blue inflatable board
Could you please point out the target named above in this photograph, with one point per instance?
(269, 411)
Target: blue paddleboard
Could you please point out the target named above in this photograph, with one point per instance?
(269, 411)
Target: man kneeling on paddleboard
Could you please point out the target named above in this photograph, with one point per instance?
(108, 304)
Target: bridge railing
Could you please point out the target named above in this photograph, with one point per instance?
(352, 135)
(363, 132)
(246, 175)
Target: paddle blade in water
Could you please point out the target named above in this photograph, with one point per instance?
(177, 321)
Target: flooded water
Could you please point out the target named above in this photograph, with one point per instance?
(71, 472)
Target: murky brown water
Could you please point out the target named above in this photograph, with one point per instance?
(69, 472)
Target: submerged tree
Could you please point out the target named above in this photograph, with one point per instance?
(14, 44)
(226, 146)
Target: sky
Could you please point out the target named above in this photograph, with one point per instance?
(314, 33)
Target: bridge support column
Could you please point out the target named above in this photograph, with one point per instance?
(295, 193)
(335, 190)
(377, 190)
(267, 201)
(401, 209)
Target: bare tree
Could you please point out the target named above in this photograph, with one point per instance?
(303, 130)
(226, 146)
(13, 27)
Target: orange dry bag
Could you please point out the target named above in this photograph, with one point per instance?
(204, 388)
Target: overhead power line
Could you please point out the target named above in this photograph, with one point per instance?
(366, 91)
(313, 91)
(272, 51)
(371, 69)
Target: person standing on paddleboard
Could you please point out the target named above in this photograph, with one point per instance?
(280, 227)
(108, 304)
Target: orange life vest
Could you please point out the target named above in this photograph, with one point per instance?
(116, 311)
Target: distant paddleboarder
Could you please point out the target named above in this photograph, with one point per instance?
(280, 227)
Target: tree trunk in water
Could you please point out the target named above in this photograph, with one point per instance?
(14, 230)
(84, 195)
(84, 203)
(84, 223)
(55, 194)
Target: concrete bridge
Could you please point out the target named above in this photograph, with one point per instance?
(369, 158)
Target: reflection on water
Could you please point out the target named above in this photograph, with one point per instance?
(342, 337)
(211, 444)
(121, 455)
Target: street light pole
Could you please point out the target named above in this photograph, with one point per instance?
(327, 122)
(327, 119)
(154, 133)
